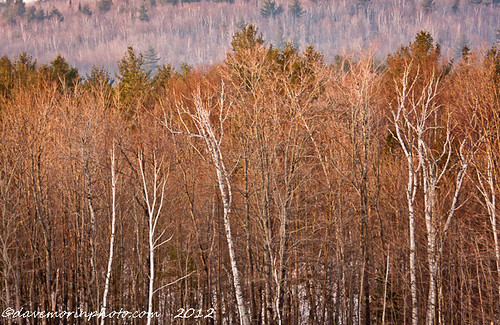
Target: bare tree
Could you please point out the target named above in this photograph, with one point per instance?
(154, 196)
(355, 137)
(403, 118)
(418, 113)
(112, 236)
(486, 186)
(11, 166)
(206, 130)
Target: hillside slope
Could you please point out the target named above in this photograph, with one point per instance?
(91, 33)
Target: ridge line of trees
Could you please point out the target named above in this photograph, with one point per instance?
(273, 187)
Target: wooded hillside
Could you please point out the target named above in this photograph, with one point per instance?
(274, 186)
(97, 33)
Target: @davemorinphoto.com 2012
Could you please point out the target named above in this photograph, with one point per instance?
(249, 162)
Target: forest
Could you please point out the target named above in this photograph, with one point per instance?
(97, 32)
(272, 187)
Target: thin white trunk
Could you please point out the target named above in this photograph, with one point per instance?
(431, 177)
(154, 205)
(497, 247)
(414, 115)
(412, 186)
(490, 200)
(226, 194)
(429, 182)
(401, 116)
(151, 275)
(206, 131)
(88, 175)
(112, 238)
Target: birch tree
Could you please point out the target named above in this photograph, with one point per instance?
(420, 112)
(486, 184)
(11, 215)
(476, 95)
(112, 236)
(212, 136)
(154, 197)
(402, 121)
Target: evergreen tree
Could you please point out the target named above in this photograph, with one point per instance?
(428, 5)
(85, 9)
(24, 69)
(56, 13)
(423, 57)
(246, 38)
(143, 13)
(133, 83)
(461, 43)
(104, 5)
(492, 65)
(13, 10)
(151, 60)
(19, 7)
(161, 78)
(59, 70)
(6, 82)
(185, 69)
(35, 14)
(465, 52)
(270, 9)
(296, 9)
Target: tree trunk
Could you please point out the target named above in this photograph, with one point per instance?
(112, 238)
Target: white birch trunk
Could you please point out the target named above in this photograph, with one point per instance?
(412, 187)
(431, 179)
(489, 196)
(154, 205)
(85, 161)
(406, 142)
(151, 275)
(112, 238)
(414, 115)
(206, 131)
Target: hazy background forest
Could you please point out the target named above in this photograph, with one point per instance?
(89, 32)
(264, 183)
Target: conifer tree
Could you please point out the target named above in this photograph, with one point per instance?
(428, 5)
(60, 71)
(246, 39)
(151, 60)
(104, 5)
(163, 74)
(133, 81)
(5, 77)
(296, 9)
(270, 9)
(143, 13)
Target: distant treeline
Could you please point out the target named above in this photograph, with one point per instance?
(274, 186)
(96, 33)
